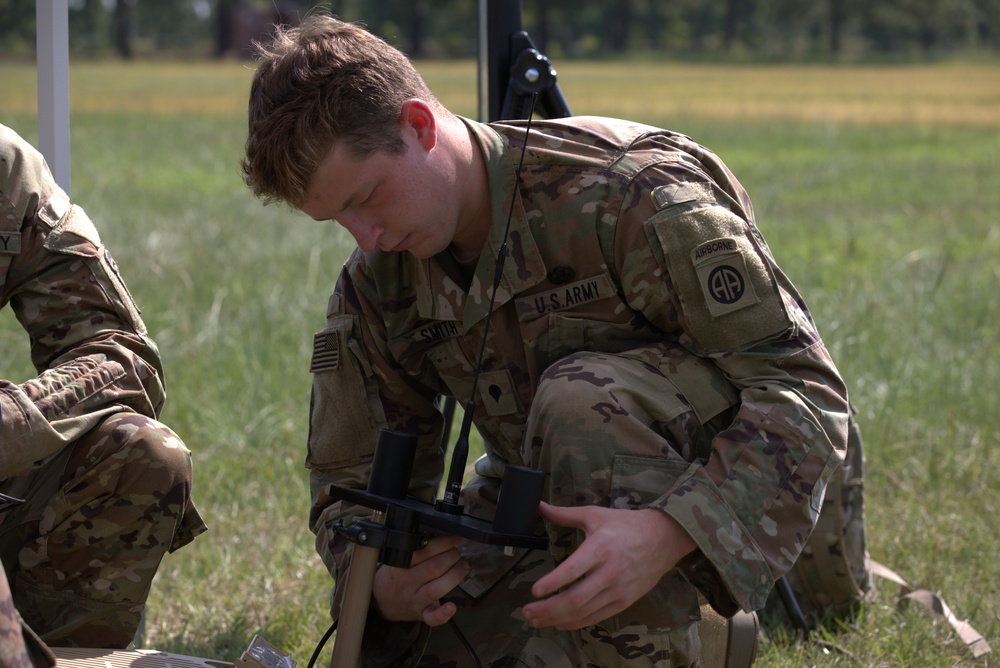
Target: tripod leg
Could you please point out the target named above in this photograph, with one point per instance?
(354, 612)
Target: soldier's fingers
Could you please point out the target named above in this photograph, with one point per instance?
(435, 546)
(440, 580)
(564, 516)
(600, 615)
(569, 571)
(438, 613)
(571, 609)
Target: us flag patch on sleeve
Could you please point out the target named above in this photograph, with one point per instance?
(326, 352)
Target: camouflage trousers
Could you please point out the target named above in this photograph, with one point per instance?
(13, 651)
(19, 646)
(610, 430)
(81, 553)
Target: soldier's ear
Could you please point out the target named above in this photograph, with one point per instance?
(417, 116)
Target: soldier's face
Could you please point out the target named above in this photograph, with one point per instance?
(407, 202)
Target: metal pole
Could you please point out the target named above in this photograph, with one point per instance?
(503, 19)
(52, 19)
(482, 57)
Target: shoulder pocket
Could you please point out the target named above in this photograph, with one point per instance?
(725, 283)
(345, 410)
(72, 232)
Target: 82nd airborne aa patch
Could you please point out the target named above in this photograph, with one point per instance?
(722, 274)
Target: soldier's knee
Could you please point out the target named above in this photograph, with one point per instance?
(149, 454)
(157, 440)
(570, 381)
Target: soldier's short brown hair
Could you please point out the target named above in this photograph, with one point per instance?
(318, 83)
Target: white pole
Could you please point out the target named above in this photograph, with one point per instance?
(482, 62)
(52, 19)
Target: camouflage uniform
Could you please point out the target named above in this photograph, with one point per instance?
(106, 489)
(19, 646)
(644, 350)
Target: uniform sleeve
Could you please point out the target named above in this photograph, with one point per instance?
(692, 261)
(357, 389)
(88, 341)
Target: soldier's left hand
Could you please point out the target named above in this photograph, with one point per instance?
(624, 554)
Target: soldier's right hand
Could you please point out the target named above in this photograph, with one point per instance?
(414, 594)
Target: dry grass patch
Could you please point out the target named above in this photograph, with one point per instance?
(950, 94)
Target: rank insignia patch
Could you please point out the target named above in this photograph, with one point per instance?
(496, 389)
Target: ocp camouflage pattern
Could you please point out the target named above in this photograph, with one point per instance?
(13, 652)
(625, 240)
(106, 487)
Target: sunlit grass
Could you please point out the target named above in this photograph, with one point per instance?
(875, 187)
(966, 95)
(948, 93)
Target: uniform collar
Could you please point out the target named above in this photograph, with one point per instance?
(439, 297)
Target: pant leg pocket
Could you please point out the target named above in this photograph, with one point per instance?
(637, 482)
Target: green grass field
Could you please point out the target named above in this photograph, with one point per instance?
(878, 190)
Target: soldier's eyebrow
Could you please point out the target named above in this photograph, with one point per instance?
(350, 201)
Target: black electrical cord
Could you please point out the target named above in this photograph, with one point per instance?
(319, 647)
(460, 452)
(465, 643)
(451, 622)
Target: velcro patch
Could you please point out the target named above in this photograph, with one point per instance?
(10, 243)
(723, 279)
(679, 193)
(326, 352)
(722, 274)
(75, 233)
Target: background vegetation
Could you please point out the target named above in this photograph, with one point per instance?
(876, 187)
(679, 29)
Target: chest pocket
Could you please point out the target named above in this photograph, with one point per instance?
(432, 354)
(584, 315)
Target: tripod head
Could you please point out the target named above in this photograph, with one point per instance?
(399, 525)
(406, 518)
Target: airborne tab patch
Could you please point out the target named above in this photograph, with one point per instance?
(722, 274)
(326, 352)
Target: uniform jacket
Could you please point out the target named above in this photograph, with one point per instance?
(88, 341)
(620, 235)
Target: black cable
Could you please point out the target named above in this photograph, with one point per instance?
(502, 253)
(454, 481)
(460, 452)
(319, 647)
(451, 622)
(465, 643)
(792, 606)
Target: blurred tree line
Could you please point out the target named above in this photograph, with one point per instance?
(707, 29)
